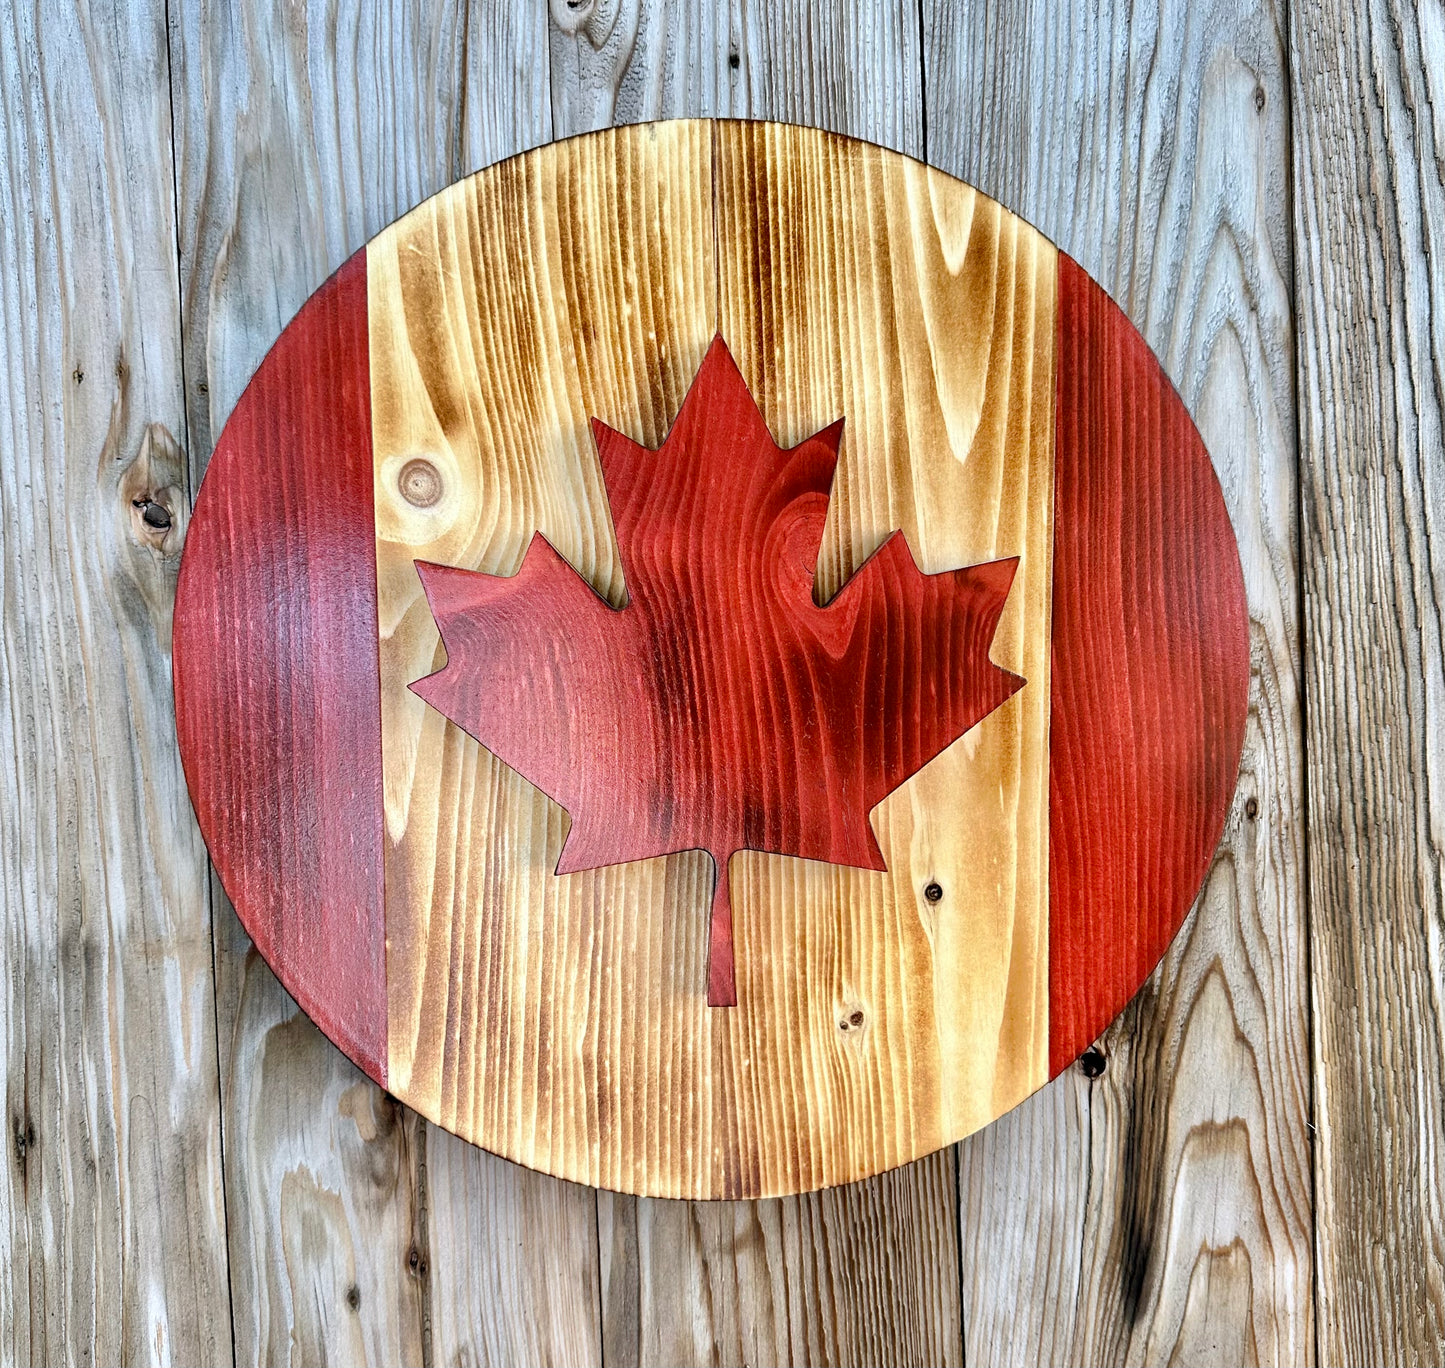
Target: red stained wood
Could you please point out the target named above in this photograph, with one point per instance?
(1150, 667)
(278, 703)
(721, 709)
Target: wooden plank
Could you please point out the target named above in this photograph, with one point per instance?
(516, 267)
(513, 1239)
(506, 105)
(689, 61)
(323, 1192)
(1149, 668)
(278, 713)
(112, 1228)
(521, 1278)
(847, 273)
(297, 141)
(857, 1275)
(505, 313)
(1159, 1204)
(847, 68)
(1368, 91)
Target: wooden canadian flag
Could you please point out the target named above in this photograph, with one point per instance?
(711, 659)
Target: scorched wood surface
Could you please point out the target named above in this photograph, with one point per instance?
(554, 987)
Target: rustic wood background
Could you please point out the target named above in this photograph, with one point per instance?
(192, 1174)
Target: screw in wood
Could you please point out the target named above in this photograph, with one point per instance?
(153, 515)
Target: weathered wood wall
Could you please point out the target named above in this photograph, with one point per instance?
(1250, 1166)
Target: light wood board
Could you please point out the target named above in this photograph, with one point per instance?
(582, 281)
(289, 157)
(1164, 1208)
(112, 1225)
(1368, 90)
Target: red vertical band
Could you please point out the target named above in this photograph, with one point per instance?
(278, 696)
(1150, 667)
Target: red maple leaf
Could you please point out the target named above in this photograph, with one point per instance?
(721, 708)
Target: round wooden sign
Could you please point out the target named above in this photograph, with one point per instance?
(711, 659)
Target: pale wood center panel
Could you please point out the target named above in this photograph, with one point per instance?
(562, 1021)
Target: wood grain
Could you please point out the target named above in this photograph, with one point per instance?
(324, 1201)
(1368, 88)
(505, 96)
(520, 1282)
(300, 133)
(658, 725)
(951, 439)
(618, 320)
(762, 62)
(276, 192)
(674, 62)
(860, 1274)
(112, 1229)
(847, 68)
(1164, 1207)
(278, 708)
(1150, 667)
(500, 481)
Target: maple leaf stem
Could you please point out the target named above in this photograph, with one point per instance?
(722, 989)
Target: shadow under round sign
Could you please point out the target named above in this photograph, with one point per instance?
(547, 665)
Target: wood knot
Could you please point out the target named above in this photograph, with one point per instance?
(24, 1136)
(933, 891)
(1093, 1062)
(851, 1021)
(420, 483)
(1251, 808)
(570, 16)
(353, 1297)
(151, 488)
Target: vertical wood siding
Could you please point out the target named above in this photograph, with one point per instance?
(1249, 1168)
